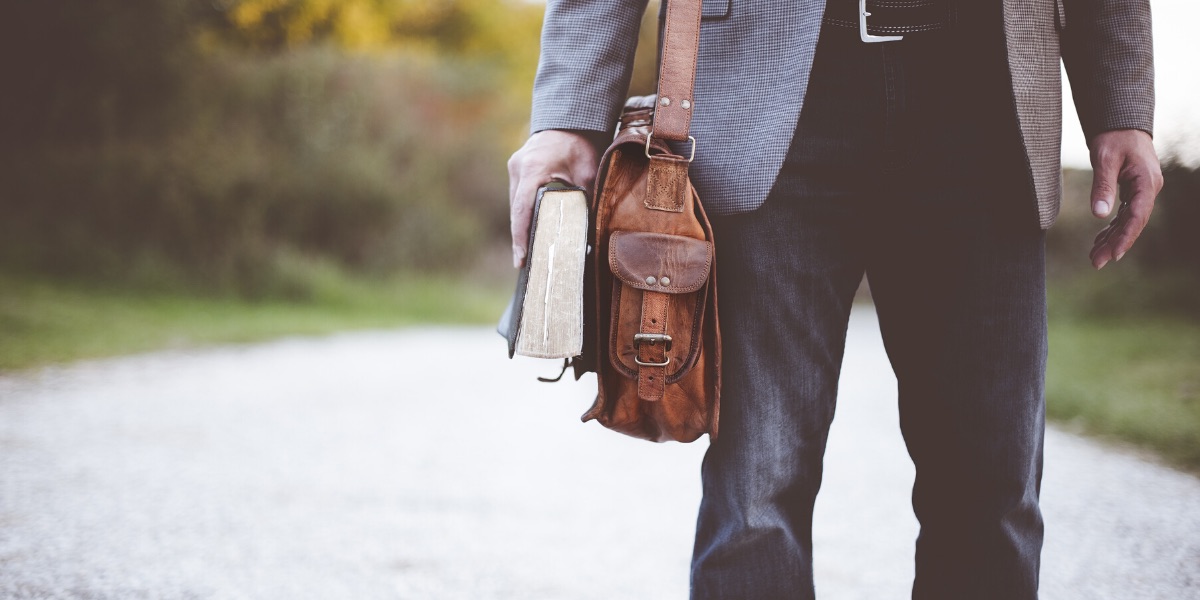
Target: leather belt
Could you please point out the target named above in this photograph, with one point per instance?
(887, 20)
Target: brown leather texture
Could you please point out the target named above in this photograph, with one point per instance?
(660, 262)
(666, 184)
(677, 73)
(652, 335)
(654, 356)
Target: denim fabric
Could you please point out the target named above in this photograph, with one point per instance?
(906, 165)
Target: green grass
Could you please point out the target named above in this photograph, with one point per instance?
(1137, 381)
(45, 321)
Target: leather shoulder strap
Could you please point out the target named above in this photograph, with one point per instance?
(677, 74)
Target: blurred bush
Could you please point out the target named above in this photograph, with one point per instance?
(168, 140)
(1160, 276)
(90, 70)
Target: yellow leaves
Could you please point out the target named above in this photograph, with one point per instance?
(291, 23)
(358, 25)
(248, 14)
(307, 16)
(479, 27)
(502, 34)
(416, 14)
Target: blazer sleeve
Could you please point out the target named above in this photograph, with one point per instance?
(586, 62)
(1109, 55)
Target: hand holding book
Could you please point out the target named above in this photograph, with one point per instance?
(551, 155)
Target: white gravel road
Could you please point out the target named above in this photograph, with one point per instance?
(423, 464)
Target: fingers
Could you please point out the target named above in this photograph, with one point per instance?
(520, 215)
(522, 185)
(1102, 252)
(1118, 237)
(1124, 165)
(1104, 184)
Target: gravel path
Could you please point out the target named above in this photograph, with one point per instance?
(422, 464)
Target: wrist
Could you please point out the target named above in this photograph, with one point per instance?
(1126, 133)
(597, 140)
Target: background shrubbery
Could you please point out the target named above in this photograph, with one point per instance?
(226, 146)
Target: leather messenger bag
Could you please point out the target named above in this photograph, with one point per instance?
(651, 332)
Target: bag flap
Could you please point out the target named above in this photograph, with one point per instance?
(660, 262)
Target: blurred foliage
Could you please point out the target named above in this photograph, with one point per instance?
(1132, 379)
(91, 70)
(233, 146)
(299, 155)
(501, 30)
(503, 34)
(1161, 275)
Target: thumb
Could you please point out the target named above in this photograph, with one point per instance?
(1104, 188)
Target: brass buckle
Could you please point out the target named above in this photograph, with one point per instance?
(651, 134)
(651, 338)
(862, 27)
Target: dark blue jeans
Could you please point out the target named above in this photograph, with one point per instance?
(906, 166)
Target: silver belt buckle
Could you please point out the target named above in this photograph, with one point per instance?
(862, 27)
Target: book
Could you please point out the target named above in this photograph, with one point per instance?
(545, 317)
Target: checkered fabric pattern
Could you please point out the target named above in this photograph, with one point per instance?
(755, 60)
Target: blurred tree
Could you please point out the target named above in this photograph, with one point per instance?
(222, 139)
(502, 35)
(1174, 244)
(106, 68)
(88, 70)
(503, 29)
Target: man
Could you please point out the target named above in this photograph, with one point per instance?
(928, 160)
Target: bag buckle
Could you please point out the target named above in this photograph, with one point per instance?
(652, 339)
(690, 158)
(862, 27)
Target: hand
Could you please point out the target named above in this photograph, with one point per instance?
(569, 156)
(1124, 162)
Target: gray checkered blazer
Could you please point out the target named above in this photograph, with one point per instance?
(756, 55)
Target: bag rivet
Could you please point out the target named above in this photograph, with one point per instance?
(665, 101)
(685, 104)
(651, 280)
(665, 281)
